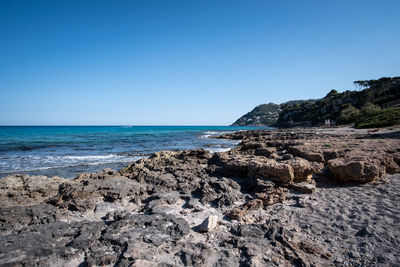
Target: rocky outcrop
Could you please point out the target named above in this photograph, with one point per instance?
(357, 170)
(253, 167)
(343, 157)
(273, 235)
(190, 207)
(27, 190)
(280, 171)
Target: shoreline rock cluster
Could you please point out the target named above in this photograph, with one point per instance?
(244, 207)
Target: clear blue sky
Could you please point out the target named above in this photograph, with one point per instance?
(188, 62)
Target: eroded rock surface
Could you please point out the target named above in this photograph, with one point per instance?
(279, 199)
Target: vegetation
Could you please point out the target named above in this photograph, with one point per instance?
(348, 107)
(348, 114)
(266, 114)
(380, 91)
(364, 107)
(378, 118)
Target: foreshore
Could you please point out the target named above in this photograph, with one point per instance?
(283, 197)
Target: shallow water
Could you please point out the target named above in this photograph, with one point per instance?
(68, 150)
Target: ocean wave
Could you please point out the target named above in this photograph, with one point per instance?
(19, 147)
(219, 149)
(205, 136)
(208, 134)
(96, 157)
(42, 148)
(217, 132)
(59, 167)
(37, 163)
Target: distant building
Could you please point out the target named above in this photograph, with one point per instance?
(329, 122)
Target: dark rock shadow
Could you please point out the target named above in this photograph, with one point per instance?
(326, 181)
(391, 135)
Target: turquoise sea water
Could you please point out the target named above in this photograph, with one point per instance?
(68, 150)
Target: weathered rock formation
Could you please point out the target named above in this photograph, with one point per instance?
(188, 207)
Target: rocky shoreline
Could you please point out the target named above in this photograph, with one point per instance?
(293, 197)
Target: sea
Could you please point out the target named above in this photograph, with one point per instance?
(66, 151)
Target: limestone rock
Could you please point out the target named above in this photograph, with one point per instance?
(268, 152)
(144, 263)
(254, 204)
(209, 223)
(303, 169)
(307, 153)
(145, 213)
(303, 187)
(270, 198)
(278, 172)
(357, 170)
(16, 190)
(236, 214)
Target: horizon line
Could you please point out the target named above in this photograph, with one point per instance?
(111, 125)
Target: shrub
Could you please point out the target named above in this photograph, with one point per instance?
(349, 114)
(370, 109)
(374, 117)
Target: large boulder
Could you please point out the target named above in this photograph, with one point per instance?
(358, 170)
(307, 152)
(277, 171)
(303, 169)
(239, 164)
(254, 167)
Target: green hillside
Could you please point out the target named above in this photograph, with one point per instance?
(374, 104)
(265, 114)
(347, 107)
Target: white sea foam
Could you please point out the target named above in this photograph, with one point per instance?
(37, 163)
(208, 134)
(205, 136)
(95, 157)
(219, 149)
(217, 133)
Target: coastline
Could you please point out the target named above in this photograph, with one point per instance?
(284, 197)
(66, 151)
